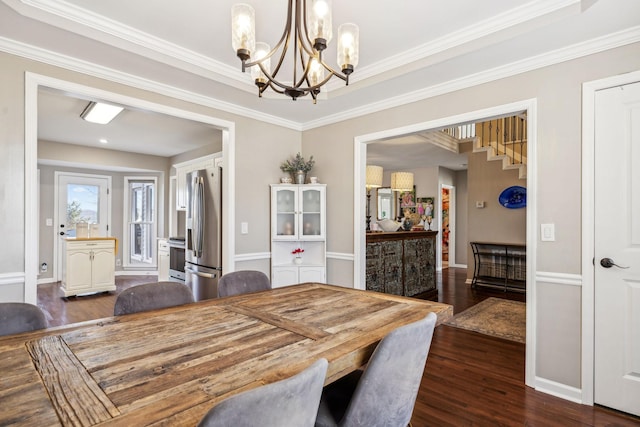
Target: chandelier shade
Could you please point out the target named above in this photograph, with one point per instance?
(402, 181)
(308, 30)
(374, 176)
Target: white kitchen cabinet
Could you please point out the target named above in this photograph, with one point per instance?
(88, 265)
(163, 260)
(181, 188)
(182, 169)
(298, 221)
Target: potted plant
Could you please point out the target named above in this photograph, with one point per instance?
(298, 168)
(298, 253)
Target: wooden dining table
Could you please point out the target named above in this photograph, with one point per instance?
(170, 366)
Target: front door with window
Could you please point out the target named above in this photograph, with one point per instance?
(81, 199)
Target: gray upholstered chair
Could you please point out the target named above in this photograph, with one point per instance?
(384, 393)
(17, 317)
(242, 282)
(292, 402)
(152, 296)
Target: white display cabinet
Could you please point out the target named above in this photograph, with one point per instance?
(298, 220)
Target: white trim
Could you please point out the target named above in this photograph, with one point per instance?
(98, 27)
(589, 90)
(458, 266)
(589, 47)
(340, 256)
(136, 273)
(91, 69)
(359, 237)
(12, 278)
(252, 256)
(559, 278)
(32, 83)
(559, 390)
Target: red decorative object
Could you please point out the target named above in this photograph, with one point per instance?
(297, 251)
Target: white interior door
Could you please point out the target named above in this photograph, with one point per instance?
(80, 198)
(617, 241)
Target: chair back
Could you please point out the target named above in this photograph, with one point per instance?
(292, 402)
(18, 317)
(386, 393)
(243, 282)
(152, 296)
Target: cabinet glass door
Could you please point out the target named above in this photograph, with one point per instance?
(286, 212)
(311, 200)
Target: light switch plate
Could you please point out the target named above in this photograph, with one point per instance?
(244, 228)
(548, 232)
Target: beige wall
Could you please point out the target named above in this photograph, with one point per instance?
(260, 148)
(493, 223)
(557, 90)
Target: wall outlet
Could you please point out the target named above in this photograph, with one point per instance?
(44, 267)
(118, 262)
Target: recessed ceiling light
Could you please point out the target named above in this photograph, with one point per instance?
(97, 112)
(103, 141)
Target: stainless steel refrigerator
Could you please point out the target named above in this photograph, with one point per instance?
(203, 259)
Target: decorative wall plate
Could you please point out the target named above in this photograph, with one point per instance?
(513, 197)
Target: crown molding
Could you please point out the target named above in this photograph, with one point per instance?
(86, 23)
(622, 38)
(95, 70)
(508, 20)
(590, 47)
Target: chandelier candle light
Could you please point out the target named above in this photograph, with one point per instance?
(310, 28)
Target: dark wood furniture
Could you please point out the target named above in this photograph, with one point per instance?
(500, 265)
(170, 366)
(402, 263)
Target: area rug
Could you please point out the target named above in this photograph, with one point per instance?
(496, 317)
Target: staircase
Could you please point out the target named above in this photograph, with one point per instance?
(504, 139)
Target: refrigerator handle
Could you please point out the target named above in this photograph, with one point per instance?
(198, 215)
(201, 274)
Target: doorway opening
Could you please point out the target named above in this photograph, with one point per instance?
(36, 82)
(360, 160)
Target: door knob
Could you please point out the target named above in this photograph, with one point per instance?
(608, 263)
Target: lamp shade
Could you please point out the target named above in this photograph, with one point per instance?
(374, 176)
(402, 181)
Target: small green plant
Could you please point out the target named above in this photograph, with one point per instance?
(297, 164)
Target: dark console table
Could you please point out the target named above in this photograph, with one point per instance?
(402, 263)
(500, 265)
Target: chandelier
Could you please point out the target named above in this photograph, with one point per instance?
(309, 37)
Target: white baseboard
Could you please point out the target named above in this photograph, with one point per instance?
(136, 273)
(562, 391)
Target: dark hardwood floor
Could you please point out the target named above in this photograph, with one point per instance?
(470, 379)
